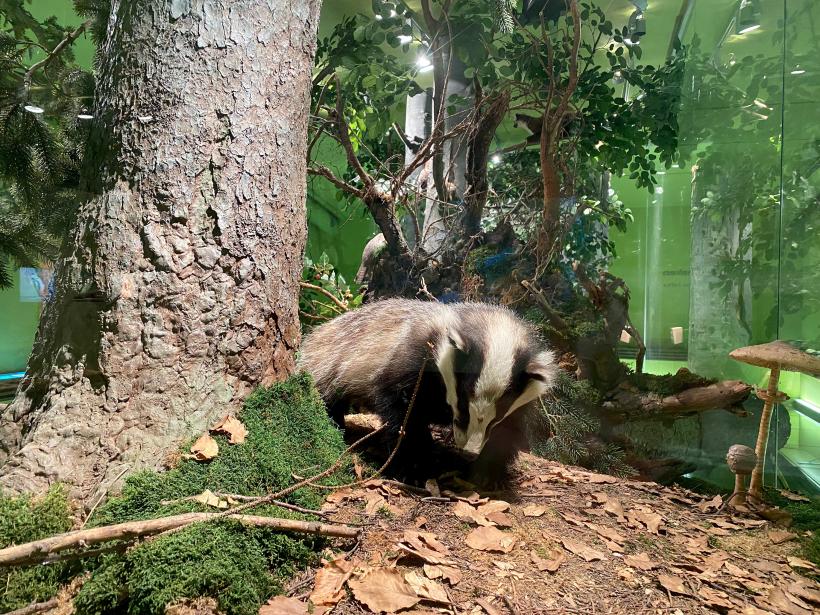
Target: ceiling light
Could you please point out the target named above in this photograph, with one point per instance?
(748, 16)
(33, 109)
(84, 116)
(424, 64)
(496, 159)
(405, 38)
(636, 27)
(797, 70)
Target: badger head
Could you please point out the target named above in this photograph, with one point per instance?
(489, 373)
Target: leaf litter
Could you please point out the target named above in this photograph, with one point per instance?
(482, 553)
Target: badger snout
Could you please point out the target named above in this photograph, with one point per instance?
(472, 439)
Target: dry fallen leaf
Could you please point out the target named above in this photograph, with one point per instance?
(713, 504)
(425, 588)
(607, 532)
(500, 519)
(783, 602)
(204, 449)
(796, 562)
(714, 598)
(556, 558)
(328, 586)
(383, 590)
(374, 502)
(573, 519)
(582, 550)
(673, 584)
(451, 574)
(780, 536)
(493, 506)
(803, 590)
(614, 507)
(282, 605)
(466, 512)
(490, 539)
(640, 561)
(533, 510)
(422, 540)
(233, 427)
(652, 521)
(209, 498)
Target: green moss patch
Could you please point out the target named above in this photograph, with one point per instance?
(241, 567)
(23, 519)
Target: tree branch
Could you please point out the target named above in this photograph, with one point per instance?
(61, 46)
(326, 293)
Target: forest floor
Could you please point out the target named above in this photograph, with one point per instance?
(561, 540)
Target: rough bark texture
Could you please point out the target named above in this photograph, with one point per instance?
(177, 293)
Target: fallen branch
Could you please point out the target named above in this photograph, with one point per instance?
(33, 552)
(625, 404)
(37, 607)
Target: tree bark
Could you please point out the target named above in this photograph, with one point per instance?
(178, 290)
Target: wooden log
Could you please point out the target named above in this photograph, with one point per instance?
(36, 551)
(627, 404)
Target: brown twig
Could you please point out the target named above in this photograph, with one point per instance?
(68, 40)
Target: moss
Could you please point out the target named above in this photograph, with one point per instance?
(668, 384)
(288, 432)
(23, 519)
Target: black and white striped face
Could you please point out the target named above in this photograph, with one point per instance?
(490, 375)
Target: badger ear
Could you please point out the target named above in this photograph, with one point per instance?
(542, 367)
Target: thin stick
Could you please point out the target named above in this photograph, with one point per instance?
(32, 552)
(102, 496)
(249, 498)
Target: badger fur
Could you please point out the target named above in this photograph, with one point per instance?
(484, 365)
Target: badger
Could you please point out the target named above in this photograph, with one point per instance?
(482, 366)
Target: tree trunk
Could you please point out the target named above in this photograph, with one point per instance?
(178, 290)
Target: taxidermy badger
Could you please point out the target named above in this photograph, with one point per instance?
(484, 366)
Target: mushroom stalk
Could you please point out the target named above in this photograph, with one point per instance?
(769, 398)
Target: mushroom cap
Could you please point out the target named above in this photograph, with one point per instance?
(741, 459)
(778, 354)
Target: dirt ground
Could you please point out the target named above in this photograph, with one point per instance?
(561, 540)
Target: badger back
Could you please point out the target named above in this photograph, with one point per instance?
(373, 348)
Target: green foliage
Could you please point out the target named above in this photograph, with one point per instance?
(288, 432)
(566, 429)
(42, 140)
(23, 519)
(315, 307)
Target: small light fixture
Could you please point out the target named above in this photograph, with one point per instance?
(797, 70)
(33, 109)
(618, 77)
(424, 64)
(85, 116)
(496, 159)
(404, 38)
(636, 28)
(748, 17)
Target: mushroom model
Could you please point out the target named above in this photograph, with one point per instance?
(777, 356)
(741, 460)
